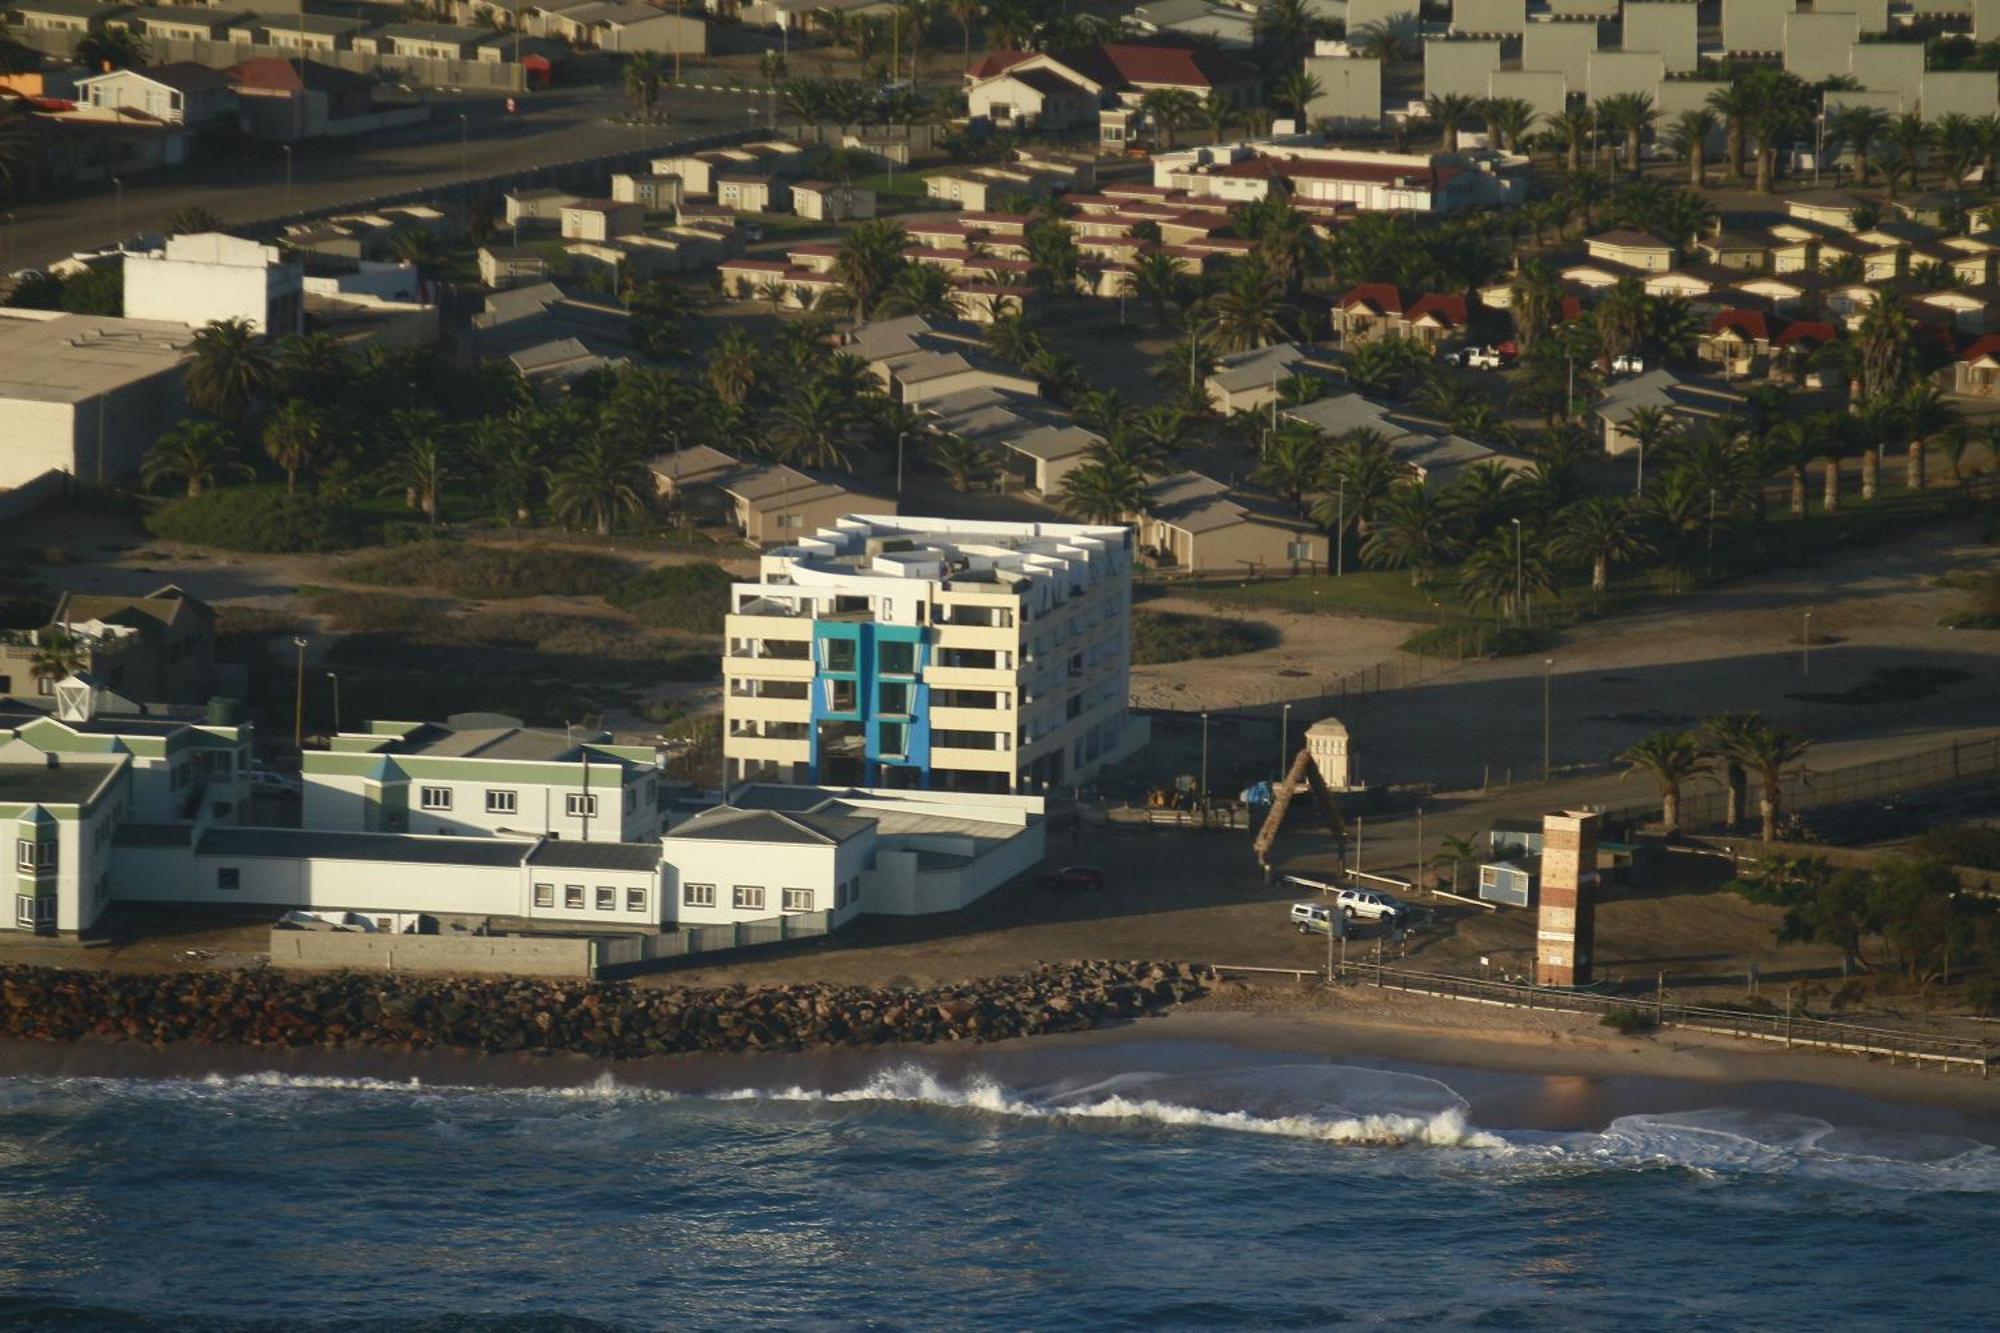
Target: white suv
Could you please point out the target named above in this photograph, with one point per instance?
(1354, 904)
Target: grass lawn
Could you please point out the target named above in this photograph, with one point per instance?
(1384, 593)
(903, 184)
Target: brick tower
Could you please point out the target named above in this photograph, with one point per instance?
(1566, 926)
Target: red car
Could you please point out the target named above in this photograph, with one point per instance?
(1074, 877)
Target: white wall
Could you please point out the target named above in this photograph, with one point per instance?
(773, 867)
(200, 279)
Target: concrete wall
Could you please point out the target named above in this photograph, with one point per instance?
(1754, 25)
(1616, 72)
(1892, 102)
(1985, 20)
(432, 953)
(1873, 14)
(1564, 47)
(1461, 67)
(1968, 92)
(1665, 28)
(1353, 90)
(1544, 91)
(898, 884)
(1817, 45)
(1889, 67)
(1487, 18)
(40, 436)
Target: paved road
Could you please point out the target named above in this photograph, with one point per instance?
(550, 127)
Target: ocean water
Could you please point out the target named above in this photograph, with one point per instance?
(1147, 1185)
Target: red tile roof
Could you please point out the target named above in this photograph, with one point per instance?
(1381, 297)
(1450, 309)
(994, 62)
(1988, 346)
(1806, 330)
(1749, 323)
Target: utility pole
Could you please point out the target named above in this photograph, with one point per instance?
(118, 185)
(1417, 875)
(287, 148)
(1805, 645)
(1548, 665)
(1284, 737)
(899, 463)
(1204, 756)
(299, 696)
(1340, 533)
(334, 676)
(1517, 570)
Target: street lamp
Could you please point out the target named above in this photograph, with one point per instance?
(899, 462)
(299, 696)
(1284, 738)
(1548, 664)
(1517, 570)
(1340, 532)
(334, 676)
(464, 130)
(1805, 646)
(287, 149)
(1204, 756)
(118, 185)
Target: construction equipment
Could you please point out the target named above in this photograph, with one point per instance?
(1303, 770)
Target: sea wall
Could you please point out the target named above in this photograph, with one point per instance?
(266, 1008)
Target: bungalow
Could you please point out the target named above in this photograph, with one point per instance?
(599, 219)
(1037, 99)
(1736, 249)
(1976, 369)
(1196, 524)
(652, 191)
(180, 93)
(826, 201)
(503, 266)
(185, 25)
(1970, 310)
(748, 193)
(1832, 208)
(1736, 341)
(1793, 350)
(316, 33)
(1377, 310)
(71, 16)
(538, 205)
(1425, 451)
(1247, 381)
(760, 502)
(425, 41)
(1634, 249)
(1691, 399)
(1036, 442)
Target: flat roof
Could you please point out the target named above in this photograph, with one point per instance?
(401, 847)
(74, 358)
(62, 784)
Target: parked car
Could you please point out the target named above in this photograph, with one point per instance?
(1628, 365)
(1312, 918)
(1353, 905)
(1074, 877)
(1477, 358)
(271, 782)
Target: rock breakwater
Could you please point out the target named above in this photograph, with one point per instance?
(608, 1020)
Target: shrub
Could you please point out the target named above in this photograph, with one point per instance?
(1975, 845)
(692, 597)
(468, 570)
(377, 612)
(1982, 609)
(1170, 636)
(1628, 1021)
(258, 519)
(1480, 640)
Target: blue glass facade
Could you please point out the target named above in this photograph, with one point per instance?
(882, 668)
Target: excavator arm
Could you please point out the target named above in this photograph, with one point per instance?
(1303, 769)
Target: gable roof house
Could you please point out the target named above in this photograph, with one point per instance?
(1425, 450)
(180, 93)
(1249, 380)
(760, 502)
(1376, 310)
(552, 335)
(156, 648)
(1196, 524)
(1692, 399)
(1061, 89)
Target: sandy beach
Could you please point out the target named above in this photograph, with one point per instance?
(1521, 1070)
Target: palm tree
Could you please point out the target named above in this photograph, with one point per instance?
(1218, 109)
(192, 218)
(920, 289)
(1924, 412)
(423, 461)
(1162, 428)
(1689, 137)
(58, 655)
(1413, 529)
(964, 461)
(1169, 109)
(1104, 491)
(1508, 119)
(1294, 458)
(1535, 301)
(1249, 308)
(1502, 566)
(1770, 752)
(104, 48)
(1878, 421)
(1602, 530)
(1621, 320)
(1449, 111)
(21, 157)
(1672, 759)
(1157, 279)
(1860, 128)
(598, 480)
(644, 73)
(732, 366)
(1723, 737)
(1911, 136)
(1574, 126)
(1285, 29)
(1736, 104)
(965, 11)
(1649, 428)
(1629, 114)
(198, 453)
(1297, 91)
(1455, 852)
(227, 367)
(813, 426)
(419, 248)
(1793, 445)
(296, 439)
(312, 366)
(870, 256)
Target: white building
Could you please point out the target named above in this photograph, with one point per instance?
(204, 277)
(953, 654)
(84, 394)
(482, 775)
(1362, 179)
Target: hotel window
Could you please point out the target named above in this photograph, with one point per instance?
(29, 855)
(748, 898)
(434, 798)
(573, 897)
(228, 879)
(635, 900)
(501, 802)
(580, 806)
(697, 895)
(607, 898)
(798, 900)
(24, 911)
(545, 895)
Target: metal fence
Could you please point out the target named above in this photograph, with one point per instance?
(1949, 1053)
(1806, 789)
(727, 937)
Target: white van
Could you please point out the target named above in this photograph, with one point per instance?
(1312, 918)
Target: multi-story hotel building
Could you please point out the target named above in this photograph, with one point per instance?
(946, 654)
